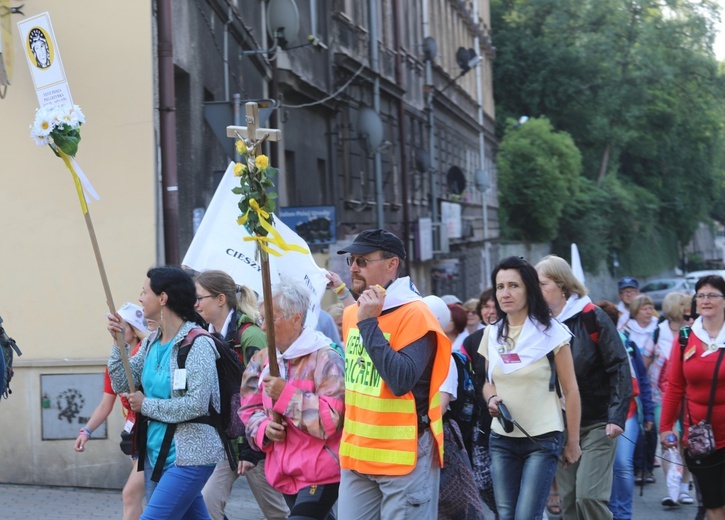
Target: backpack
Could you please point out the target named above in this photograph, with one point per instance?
(8, 346)
(683, 337)
(466, 409)
(227, 422)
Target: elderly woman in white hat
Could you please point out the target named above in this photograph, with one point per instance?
(133, 491)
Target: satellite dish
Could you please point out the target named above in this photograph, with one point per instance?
(482, 183)
(456, 180)
(283, 21)
(370, 129)
(430, 48)
(462, 58)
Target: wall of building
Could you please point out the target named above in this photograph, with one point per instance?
(53, 303)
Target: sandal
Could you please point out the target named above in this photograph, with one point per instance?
(553, 508)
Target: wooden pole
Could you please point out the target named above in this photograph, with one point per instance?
(109, 298)
(269, 315)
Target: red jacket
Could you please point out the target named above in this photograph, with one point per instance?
(690, 377)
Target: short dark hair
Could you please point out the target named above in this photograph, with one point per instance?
(538, 309)
(179, 288)
(711, 279)
(488, 294)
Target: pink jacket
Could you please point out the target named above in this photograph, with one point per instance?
(312, 405)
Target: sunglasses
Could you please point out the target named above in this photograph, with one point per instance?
(360, 261)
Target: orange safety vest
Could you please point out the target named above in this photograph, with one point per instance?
(380, 433)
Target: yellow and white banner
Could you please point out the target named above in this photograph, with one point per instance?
(46, 67)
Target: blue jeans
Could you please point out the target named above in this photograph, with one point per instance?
(522, 473)
(177, 495)
(620, 503)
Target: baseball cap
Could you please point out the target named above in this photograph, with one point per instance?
(375, 240)
(451, 299)
(628, 281)
(133, 315)
(439, 309)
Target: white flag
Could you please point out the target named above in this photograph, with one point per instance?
(219, 244)
(576, 264)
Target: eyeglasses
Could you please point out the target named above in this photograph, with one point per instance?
(710, 296)
(471, 313)
(199, 298)
(360, 261)
(262, 320)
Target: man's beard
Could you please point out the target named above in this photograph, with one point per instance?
(359, 284)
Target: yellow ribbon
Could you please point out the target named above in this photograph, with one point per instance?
(275, 239)
(76, 180)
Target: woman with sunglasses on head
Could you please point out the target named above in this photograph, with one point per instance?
(602, 371)
(696, 381)
(676, 311)
(519, 349)
(302, 446)
(231, 311)
(178, 453)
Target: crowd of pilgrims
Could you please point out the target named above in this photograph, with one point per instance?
(576, 402)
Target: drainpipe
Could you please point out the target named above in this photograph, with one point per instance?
(167, 133)
(431, 122)
(482, 152)
(375, 66)
(399, 79)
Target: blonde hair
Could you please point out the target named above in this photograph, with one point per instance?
(238, 297)
(675, 305)
(470, 305)
(637, 304)
(559, 271)
(335, 310)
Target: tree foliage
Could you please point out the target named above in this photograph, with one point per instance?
(636, 85)
(539, 172)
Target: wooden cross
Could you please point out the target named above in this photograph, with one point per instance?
(251, 132)
(253, 138)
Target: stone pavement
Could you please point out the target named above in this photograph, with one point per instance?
(18, 502)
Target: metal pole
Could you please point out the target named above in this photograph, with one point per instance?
(431, 120)
(375, 66)
(482, 153)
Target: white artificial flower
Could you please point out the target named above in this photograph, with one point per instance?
(78, 116)
(44, 124)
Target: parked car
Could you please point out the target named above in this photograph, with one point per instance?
(659, 288)
(694, 276)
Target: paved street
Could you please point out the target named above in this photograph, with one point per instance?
(21, 502)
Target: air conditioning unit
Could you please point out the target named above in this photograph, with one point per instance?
(440, 238)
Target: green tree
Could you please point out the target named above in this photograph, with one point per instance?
(636, 85)
(539, 171)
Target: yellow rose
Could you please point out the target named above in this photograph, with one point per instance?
(239, 169)
(241, 147)
(261, 162)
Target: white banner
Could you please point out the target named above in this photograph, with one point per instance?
(219, 244)
(46, 68)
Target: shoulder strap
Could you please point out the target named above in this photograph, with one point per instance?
(554, 380)
(656, 335)
(684, 338)
(714, 384)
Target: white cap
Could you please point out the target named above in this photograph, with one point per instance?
(439, 309)
(133, 315)
(451, 298)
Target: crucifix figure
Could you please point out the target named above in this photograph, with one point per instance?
(253, 137)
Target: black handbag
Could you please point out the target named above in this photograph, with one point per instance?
(127, 442)
(700, 437)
